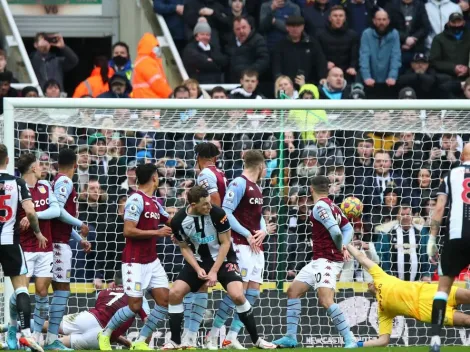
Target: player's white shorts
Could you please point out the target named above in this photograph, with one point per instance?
(251, 264)
(39, 264)
(320, 273)
(83, 329)
(138, 278)
(61, 269)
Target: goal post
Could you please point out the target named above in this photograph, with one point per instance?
(299, 139)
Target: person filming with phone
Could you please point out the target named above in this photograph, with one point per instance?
(51, 64)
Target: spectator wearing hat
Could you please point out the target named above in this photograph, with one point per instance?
(119, 87)
(5, 88)
(357, 91)
(407, 93)
(247, 50)
(299, 55)
(172, 11)
(450, 51)
(421, 77)
(438, 11)
(29, 92)
(380, 57)
(49, 65)
(339, 43)
(272, 20)
(212, 10)
(203, 61)
(410, 19)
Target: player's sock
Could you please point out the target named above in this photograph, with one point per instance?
(338, 318)
(245, 312)
(41, 309)
(188, 307)
(251, 295)
(293, 314)
(439, 305)
(157, 315)
(225, 310)
(13, 311)
(23, 306)
(56, 313)
(119, 318)
(176, 317)
(197, 313)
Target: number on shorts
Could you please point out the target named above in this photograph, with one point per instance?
(232, 267)
(117, 297)
(466, 190)
(318, 277)
(8, 210)
(52, 266)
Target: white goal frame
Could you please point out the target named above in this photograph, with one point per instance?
(10, 104)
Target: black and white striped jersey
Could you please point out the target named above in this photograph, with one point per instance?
(201, 233)
(456, 185)
(13, 191)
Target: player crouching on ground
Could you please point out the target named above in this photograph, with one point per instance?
(204, 235)
(80, 330)
(412, 299)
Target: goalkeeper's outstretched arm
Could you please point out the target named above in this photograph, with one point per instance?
(365, 262)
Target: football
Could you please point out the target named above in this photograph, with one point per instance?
(352, 207)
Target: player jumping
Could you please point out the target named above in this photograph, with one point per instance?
(14, 194)
(455, 255)
(141, 268)
(243, 204)
(62, 254)
(203, 233)
(38, 260)
(215, 182)
(412, 299)
(331, 231)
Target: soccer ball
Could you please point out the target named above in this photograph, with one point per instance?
(352, 207)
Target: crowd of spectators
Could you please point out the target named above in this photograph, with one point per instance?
(287, 49)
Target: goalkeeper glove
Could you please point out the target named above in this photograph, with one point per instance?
(432, 246)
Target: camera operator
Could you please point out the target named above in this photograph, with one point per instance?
(51, 65)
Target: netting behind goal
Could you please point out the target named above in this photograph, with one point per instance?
(391, 160)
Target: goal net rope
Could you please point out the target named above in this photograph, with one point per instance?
(391, 158)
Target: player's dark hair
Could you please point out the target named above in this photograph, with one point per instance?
(196, 193)
(118, 278)
(405, 205)
(24, 162)
(253, 158)
(67, 157)
(320, 184)
(3, 154)
(206, 150)
(144, 173)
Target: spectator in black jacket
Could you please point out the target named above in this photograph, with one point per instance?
(316, 16)
(119, 87)
(204, 62)
(247, 50)
(420, 77)
(299, 54)
(172, 12)
(48, 65)
(212, 10)
(236, 9)
(248, 85)
(410, 19)
(340, 44)
(359, 14)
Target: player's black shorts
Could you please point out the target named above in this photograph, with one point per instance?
(12, 260)
(455, 257)
(228, 273)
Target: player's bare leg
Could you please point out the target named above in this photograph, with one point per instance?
(22, 308)
(155, 318)
(252, 293)
(295, 291)
(176, 313)
(56, 313)
(41, 307)
(439, 305)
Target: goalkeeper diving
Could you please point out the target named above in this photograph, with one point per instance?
(411, 299)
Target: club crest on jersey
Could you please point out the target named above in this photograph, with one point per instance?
(138, 286)
(42, 189)
(243, 272)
